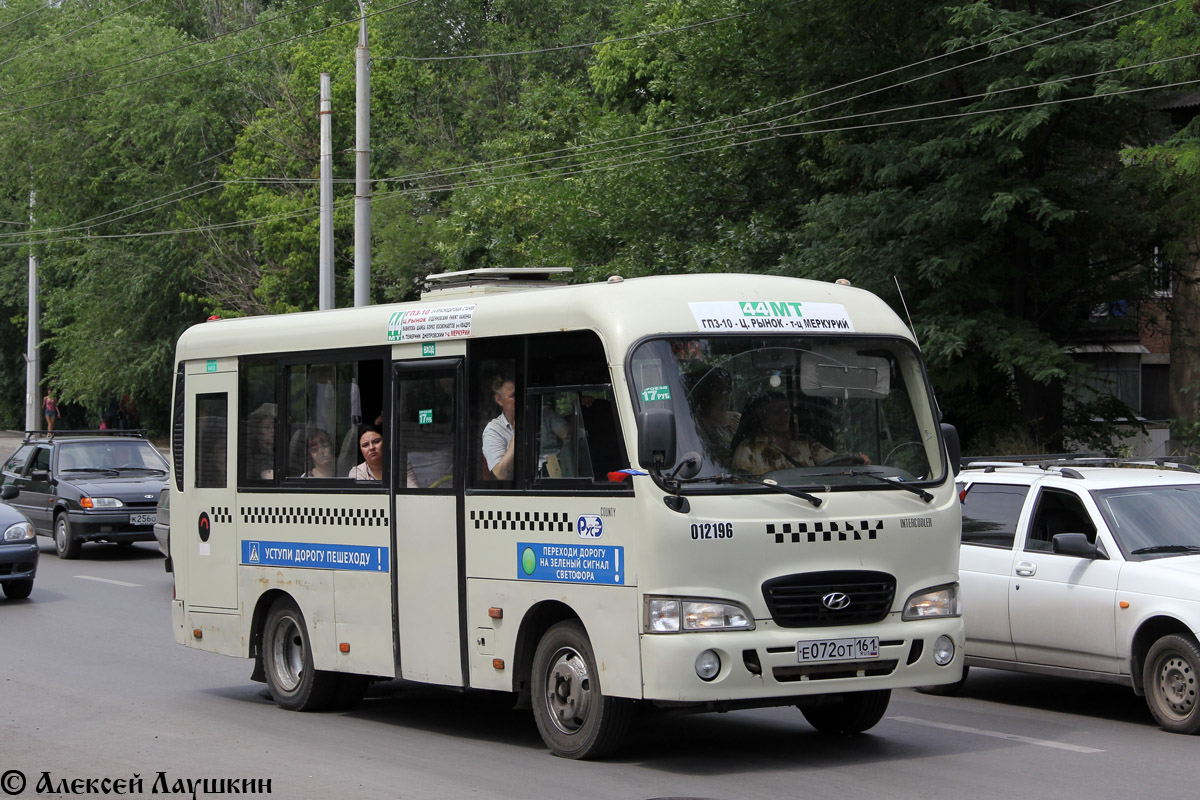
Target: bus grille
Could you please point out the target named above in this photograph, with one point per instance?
(797, 601)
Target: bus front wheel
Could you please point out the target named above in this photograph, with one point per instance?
(288, 661)
(855, 713)
(573, 715)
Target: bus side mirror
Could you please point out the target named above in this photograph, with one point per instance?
(656, 438)
(953, 446)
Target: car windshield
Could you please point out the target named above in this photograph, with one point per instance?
(844, 412)
(1153, 521)
(107, 456)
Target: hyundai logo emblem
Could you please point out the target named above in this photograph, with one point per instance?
(835, 601)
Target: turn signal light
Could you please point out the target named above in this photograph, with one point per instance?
(344, 647)
(497, 663)
(496, 613)
(197, 634)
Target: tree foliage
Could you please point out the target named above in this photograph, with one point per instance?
(998, 162)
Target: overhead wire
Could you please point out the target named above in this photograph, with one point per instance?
(37, 10)
(651, 34)
(348, 201)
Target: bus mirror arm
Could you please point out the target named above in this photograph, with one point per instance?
(688, 468)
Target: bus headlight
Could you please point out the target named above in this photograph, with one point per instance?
(675, 614)
(941, 601)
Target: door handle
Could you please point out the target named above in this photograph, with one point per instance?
(1026, 569)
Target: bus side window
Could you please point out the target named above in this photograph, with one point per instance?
(577, 435)
(212, 420)
(601, 434)
(426, 430)
(256, 431)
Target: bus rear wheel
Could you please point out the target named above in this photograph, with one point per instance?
(287, 658)
(857, 712)
(574, 717)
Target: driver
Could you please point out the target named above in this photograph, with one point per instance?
(762, 443)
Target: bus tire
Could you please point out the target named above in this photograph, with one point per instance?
(575, 718)
(288, 662)
(946, 689)
(857, 712)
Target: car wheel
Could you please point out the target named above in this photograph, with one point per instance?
(574, 717)
(857, 712)
(65, 542)
(287, 658)
(18, 590)
(1170, 679)
(946, 689)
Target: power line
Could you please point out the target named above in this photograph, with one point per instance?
(37, 10)
(570, 46)
(645, 159)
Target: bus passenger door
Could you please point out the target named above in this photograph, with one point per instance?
(427, 472)
(203, 527)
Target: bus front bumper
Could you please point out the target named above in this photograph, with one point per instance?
(763, 667)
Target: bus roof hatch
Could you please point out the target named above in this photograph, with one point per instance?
(491, 280)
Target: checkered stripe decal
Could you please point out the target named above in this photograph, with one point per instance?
(309, 515)
(219, 515)
(521, 521)
(825, 531)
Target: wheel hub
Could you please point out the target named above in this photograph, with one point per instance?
(568, 691)
(1177, 684)
(289, 657)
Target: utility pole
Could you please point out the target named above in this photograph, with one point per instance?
(33, 367)
(362, 164)
(325, 281)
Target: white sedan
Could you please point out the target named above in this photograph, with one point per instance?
(1078, 570)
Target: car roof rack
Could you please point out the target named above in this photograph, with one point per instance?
(1066, 463)
(46, 436)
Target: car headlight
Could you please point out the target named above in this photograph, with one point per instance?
(941, 601)
(675, 614)
(100, 502)
(19, 532)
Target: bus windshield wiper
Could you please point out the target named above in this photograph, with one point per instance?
(856, 473)
(1166, 548)
(816, 501)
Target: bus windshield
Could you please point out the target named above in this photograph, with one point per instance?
(844, 412)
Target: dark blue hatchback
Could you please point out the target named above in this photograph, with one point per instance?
(18, 549)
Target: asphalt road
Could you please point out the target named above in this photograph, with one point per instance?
(92, 686)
